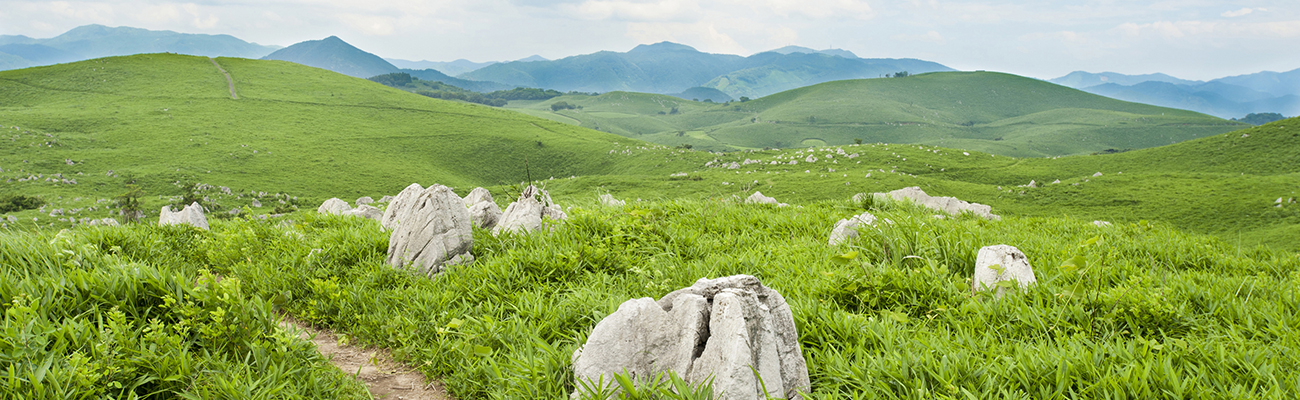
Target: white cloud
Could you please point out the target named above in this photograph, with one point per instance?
(1241, 12)
(931, 37)
(371, 25)
(639, 11)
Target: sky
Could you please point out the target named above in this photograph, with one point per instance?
(1189, 39)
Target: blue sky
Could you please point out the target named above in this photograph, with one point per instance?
(1190, 39)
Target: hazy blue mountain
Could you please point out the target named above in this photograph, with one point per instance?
(335, 55)
(667, 67)
(10, 61)
(39, 54)
(94, 41)
(805, 50)
(452, 68)
(532, 58)
(1214, 98)
(702, 94)
(434, 75)
(1081, 79)
(1275, 83)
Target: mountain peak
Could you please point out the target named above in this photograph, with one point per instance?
(662, 47)
(334, 54)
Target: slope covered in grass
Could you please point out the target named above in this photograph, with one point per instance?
(991, 112)
(1151, 313)
(169, 121)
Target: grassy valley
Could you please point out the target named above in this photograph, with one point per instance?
(990, 112)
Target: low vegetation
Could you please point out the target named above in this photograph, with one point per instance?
(1130, 310)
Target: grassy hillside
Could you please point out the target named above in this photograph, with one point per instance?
(1150, 312)
(169, 122)
(990, 112)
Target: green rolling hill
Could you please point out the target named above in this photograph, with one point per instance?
(169, 121)
(992, 112)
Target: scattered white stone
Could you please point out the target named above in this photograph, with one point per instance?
(364, 200)
(527, 213)
(1101, 223)
(1032, 184)
(1056, 181)
(365, 211)
(950, 205)
(1096, 174)
(758, 198)
(730, 330)
(385, 199)
(609, 200)
(333, 206)
(483, 210)
(434, 232)
(190, 215)
(847, 229)
(1000, 263)
(256, 204)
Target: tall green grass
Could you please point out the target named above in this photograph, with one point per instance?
(1138, 311)
(82, 320)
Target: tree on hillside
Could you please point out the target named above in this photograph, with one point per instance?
(396, 79)
(522, 93)
(899, 74)
(1260, 118)
(562, 105)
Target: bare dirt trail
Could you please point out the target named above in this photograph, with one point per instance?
(384, 378)
(229, 81)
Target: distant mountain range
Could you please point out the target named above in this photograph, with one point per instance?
(95, 41)
(452, 68)
(336, 55)
(667, 67)
(1230, 97)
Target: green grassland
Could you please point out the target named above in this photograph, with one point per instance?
(1138, 311)
(297, 136)
(989, 112)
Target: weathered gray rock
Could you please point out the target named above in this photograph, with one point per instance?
(103, 222)
(478, 195)
(434, 232)
(847, 229)
(256, 204)
(485, 214)
(1000, 263)
(609, 200)
(190, 215)
(950, 205)
(364, 200)
(333, 206)
(385, 199)
(758, 198)
(716, 329)
(527, 213)
(399, 205)
(365, 211)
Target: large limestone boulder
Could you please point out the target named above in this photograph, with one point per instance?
(995, 264)
(716, 329)
(365, 200)
(609, 200)
(847, 229)
(483, 211)
(527, 213)
(950, 205)
(190, 215)
(333, 206)
(399, 205)
(434, 232)
(365, 211)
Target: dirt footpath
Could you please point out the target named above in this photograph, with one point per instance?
(385, 378)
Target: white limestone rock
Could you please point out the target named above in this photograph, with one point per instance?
(758, 198)
(400, 205)
(527, 213)
(333, 206)
(385, 199)
(609, 201)
(847, 229)
(716, 329)
(485, 214)
(434, 232)
(365, 211)
(1000, 263)
(478, 195)
(1100, 223)
(364, 200)
(190, 215)
(950, 205)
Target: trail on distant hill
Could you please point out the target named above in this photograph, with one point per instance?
(229, 81)
(384, 378)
